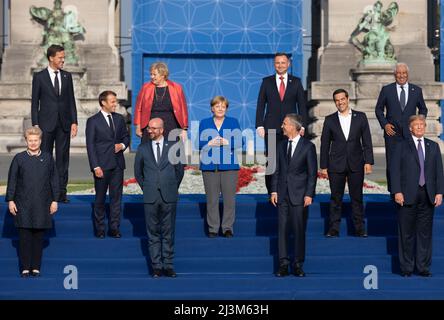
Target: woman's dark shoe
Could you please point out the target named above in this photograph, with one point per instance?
(25, 274)
(35, 273)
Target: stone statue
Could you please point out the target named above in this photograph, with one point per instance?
(60, 27)
(376, 47)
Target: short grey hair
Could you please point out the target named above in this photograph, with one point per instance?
(295, 120)
(401, 64)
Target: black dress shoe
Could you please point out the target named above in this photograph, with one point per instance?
(282, 272)
(332, 234)
(35, 273)
(361, 234)
(157, 273)
(170, 273)
(212, 235)
(100, 235)
(25, 274)
(115, 234)
(425, 274)
(228, 234)
(406, 274)
(298, 272)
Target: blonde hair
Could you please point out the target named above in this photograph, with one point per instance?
(219, 99)
(33, 131)
(161, 67)
(415, 117)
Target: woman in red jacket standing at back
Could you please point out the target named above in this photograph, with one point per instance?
(161, 98)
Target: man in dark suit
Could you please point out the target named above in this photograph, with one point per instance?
(293, 188)
(279, 95)
(106, 139)
(159, 179)
(400, 100)
(53, 110)
(346, 154)
(418, 185)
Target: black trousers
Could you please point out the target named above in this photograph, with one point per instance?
(390, 143)
(268, 177)
(355, 182)
(292, 220)
(62, 141)
(160, 219)
(112, 180)
(415, 224)
(30, 248)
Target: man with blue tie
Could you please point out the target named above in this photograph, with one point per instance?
(106, 139)
(159, 172)
(418, 185)
(400, 100)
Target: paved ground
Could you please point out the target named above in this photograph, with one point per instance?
(79, 168)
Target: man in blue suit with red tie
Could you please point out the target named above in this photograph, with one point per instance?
(106, 139)
(418, 185)
(400, 100)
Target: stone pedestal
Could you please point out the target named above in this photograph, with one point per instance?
(98, 69)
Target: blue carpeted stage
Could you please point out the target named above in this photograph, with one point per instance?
(238, 268)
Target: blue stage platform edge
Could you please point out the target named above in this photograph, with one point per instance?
(241, 267)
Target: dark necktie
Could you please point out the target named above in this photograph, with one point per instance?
(158, 152)
(421, 164)
(56, 84)
(111, 125)
(402, 98)
(282, 88)
(289, 151)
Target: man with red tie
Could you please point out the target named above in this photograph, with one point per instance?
(279, 95)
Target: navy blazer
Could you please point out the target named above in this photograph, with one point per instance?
(164, 176)
(100, 141)
(271, 111)
(299, 178)
(357, 150)
(388, 99)
(47, 108)
(223, 157)
(404, 170)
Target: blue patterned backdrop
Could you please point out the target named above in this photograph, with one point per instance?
(215, 47)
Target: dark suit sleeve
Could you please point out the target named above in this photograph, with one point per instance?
(367, 145)
(439, 172)
(138, 166)
(54, 180)
(325, 144)
(260, 108)
(395, 168)
(90, 134)
(302, 106)
(12, 180)
(35, 100)
(422, 108)
(275, 176)
(312, 171)
(379, 109)
(180, 171)
(72, 101)
(124, 134)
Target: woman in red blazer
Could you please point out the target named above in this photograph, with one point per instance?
(161, 98)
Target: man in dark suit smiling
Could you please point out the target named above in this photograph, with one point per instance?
(346, 154)
(53, 110)
(400, 100)
(279, 95)
(106, 139)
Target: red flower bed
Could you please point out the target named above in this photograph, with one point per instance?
(245, 177)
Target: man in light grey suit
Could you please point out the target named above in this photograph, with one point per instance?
(159, 180)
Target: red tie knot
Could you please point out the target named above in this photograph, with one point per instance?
(281, 77)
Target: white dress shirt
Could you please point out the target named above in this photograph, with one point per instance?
(345, 122)
(294, 143)
(52, 76)
(154, 145)
(415, 140)
(278, 80)
(406, 90)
